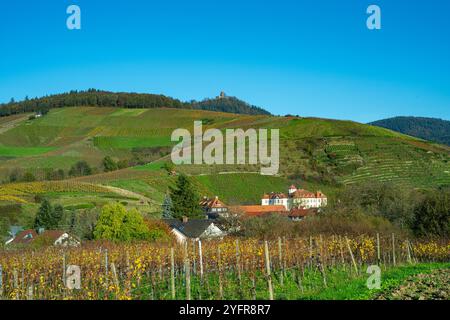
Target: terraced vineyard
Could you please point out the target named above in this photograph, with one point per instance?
(318, 153)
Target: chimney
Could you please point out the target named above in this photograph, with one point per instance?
(185, 219)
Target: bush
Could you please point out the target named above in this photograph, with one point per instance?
(117, 224)
(271, 226)
(432, 215)
(29, 177)
(158, 230)
(109, 164)
(81, 168)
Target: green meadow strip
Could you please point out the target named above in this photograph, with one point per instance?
(24, 151)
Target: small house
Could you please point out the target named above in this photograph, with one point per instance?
(214, 208)
(195, 229)
(23, 237)
(60, 238)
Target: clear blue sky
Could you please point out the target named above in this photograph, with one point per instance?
(312, 58)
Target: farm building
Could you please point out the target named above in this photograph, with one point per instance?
(275, 199)
(296, 198)
(61, 238)
(195, 229)
(55, 237)
(23, 237)
(214, 208)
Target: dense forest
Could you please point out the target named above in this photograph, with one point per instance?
(98, 98)
(431, 129)
(228, 104)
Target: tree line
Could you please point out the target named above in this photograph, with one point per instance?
(99, 98)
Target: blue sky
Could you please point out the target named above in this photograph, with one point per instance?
(306, 57)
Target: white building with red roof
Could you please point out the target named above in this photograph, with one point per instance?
(296, 198)
(275, 199)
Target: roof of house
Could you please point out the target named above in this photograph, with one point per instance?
(192, 228)
(52, 234)
(212, 203)
(260, 210)
(302, 193)
(301, 212)
(274, 195)
(25, 237)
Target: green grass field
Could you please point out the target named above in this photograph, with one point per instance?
(23, 151)
(131, 142)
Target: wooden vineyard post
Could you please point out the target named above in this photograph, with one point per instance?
(394, 262)
(408, 251)
(341, 249)
(238, 264)
(351, 255)
(64, 270)
(411, 250)
(378, 250)
(200, 257)
(30, 292)
(16, 283)
(128, 272)
(269, 277)
(280, 257)
(185, 254)
(219, 266)
(188, 278)
(194, 262)
(106, 267)
(1, 282)
(310, 251)
(172, 273)
(285, 246)
(116, 279)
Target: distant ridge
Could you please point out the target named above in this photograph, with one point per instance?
(99, 98)
(225, 103)
(432, 129)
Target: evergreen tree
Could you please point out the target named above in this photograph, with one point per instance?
(44, 216)
(185, 199)
(167, 207)
(57, 215)
(48, 217)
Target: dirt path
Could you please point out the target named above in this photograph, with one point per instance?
(129, 194)
(433, 286)
(14, 122)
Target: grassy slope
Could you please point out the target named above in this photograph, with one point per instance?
(356, 289)
(310, 148)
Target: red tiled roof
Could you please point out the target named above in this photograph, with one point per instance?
(300, 212)
(212, 203)
(52, 234)
(260, 210)
(301, 193)
(274, 195)
(25, 237)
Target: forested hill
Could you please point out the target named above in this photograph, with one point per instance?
(431, 129)
(98, 98)
(229, 104)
